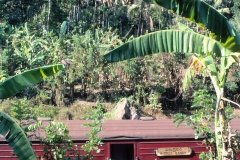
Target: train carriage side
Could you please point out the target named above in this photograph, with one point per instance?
(130, 140)
(150, 140)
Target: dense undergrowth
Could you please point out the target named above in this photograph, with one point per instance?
(78, 35)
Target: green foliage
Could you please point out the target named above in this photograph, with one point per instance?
(213, 56)
(92, 25)
(87, 49)
(204, 156)
(203, 111)
(202, 116)
(206, 16)
(45, 110)
(154, 99)
(232, 82)
(154, 104)
(15, 137)
(13, 133)
(56, 146)
(27, 49)
(236, 11)
(88, 31)
(150, 44)
(24, 109)
(34, 127)
(19, 82)
(19, 109)
(30, 50)
(5, 31)
(96, 126)
(57, 141)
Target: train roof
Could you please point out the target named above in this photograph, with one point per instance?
(132, 129)
(136, 129)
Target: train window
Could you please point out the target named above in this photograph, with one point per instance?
(122, 151)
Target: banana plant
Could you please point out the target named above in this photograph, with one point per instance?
(9, 128)
(206, 16)
(205, 50)
(225, 35)
(220, 29)
(29, 50)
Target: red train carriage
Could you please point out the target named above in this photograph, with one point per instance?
(131, 140)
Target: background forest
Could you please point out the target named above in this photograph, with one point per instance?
(78, 33)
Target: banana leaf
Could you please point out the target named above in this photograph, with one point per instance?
(168, 41)
(16, 138)
(12, 132)
(206, 16)
(18, 83)
(63, 29)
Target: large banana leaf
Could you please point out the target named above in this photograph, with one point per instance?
(16, 138)
(16, 84)
(206, 16)
(168, 41)
(13, 133)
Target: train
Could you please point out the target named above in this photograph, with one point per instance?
(146, 139)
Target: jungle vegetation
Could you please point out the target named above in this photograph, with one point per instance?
(78, 34)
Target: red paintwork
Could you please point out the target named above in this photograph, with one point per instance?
(141, 138)
(143, 149)
(146, 150)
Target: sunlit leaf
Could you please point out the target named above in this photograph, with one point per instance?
(17, 83)
(206, 16)
(167, 41)
(187, 78)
